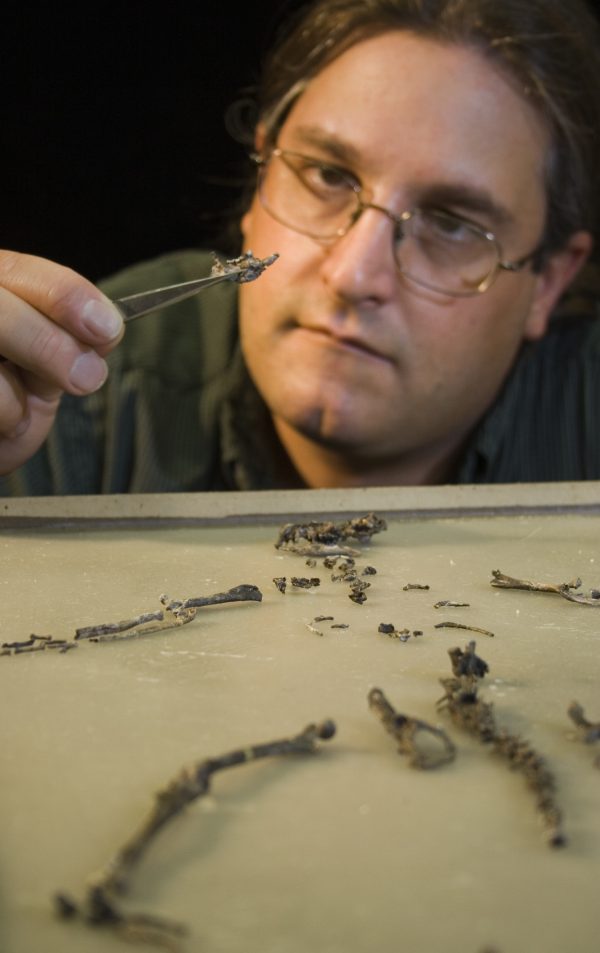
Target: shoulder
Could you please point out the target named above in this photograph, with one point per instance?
(555, 374)
(544, 422)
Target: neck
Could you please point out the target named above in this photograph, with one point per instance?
(320, 466)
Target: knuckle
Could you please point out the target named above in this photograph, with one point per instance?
(63, 293)
(46, 346)
(12, 416)
(11, 262)
(13, 406)
(53, 289)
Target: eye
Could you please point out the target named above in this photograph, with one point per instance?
(438, 224)
(323, 180)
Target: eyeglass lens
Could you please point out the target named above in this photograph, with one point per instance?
(431, 247)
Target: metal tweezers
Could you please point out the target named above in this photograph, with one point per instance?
(137, 305)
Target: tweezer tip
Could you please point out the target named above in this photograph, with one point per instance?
(242, 269)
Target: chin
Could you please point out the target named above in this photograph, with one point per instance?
(326, 408)
(346, 433)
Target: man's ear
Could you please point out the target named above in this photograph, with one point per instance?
(259, 141)
(259, 138)
(557, 274)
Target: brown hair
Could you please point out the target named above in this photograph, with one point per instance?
(548, 48)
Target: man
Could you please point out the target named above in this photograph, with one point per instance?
(426, 175)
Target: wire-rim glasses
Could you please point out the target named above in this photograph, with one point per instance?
(432, 247)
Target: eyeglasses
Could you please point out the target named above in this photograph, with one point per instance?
(432, 247)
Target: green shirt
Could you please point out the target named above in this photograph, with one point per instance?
(180, 413)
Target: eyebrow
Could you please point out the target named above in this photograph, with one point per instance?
(469, 199)
(337, 148)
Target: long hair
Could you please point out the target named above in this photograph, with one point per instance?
(548, 49)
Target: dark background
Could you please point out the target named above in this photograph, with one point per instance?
(113, 144)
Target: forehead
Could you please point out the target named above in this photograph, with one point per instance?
(412, 109)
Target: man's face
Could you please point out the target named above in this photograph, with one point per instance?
(343, 348)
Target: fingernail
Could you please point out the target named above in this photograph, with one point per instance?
(102, 319)
(88, 372)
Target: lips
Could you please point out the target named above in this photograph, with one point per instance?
(346, 342)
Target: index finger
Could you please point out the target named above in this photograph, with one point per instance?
(64, 296)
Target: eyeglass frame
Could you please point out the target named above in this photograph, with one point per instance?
(397, 221)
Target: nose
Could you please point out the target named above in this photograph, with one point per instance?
(360, 266)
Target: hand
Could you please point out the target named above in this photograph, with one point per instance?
(55, 329)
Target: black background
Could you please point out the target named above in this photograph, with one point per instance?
(113, 144)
